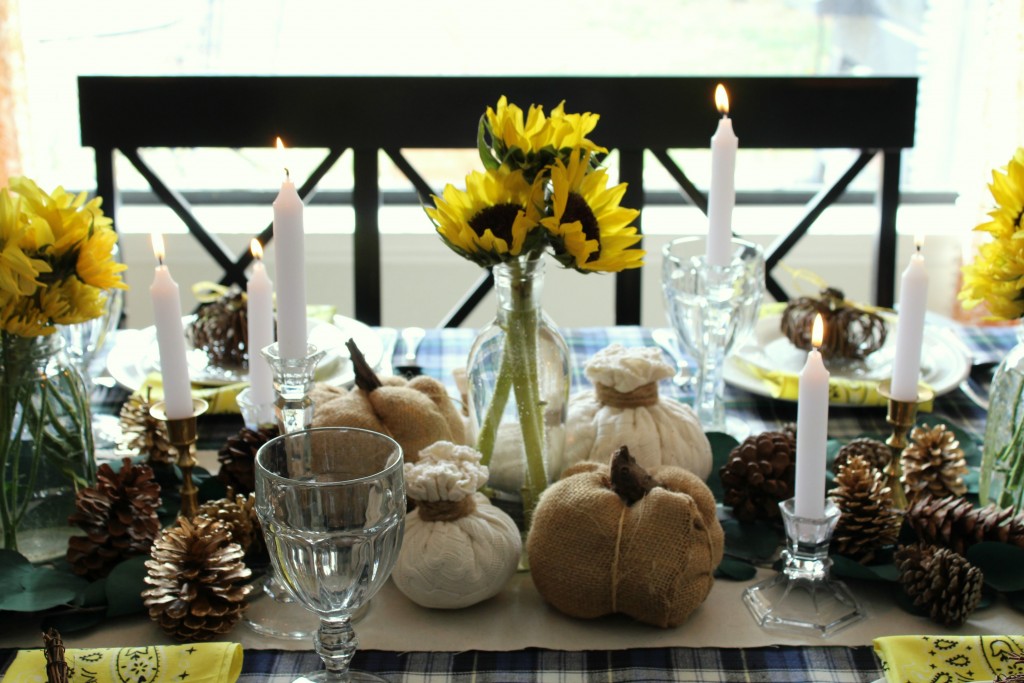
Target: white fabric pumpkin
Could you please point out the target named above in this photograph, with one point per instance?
(663, 432)
(459, 562)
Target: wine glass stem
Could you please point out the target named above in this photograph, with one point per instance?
(709, 401)
(336, 643)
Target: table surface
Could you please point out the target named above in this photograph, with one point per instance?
(516, 636)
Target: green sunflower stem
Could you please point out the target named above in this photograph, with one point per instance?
(489, 429)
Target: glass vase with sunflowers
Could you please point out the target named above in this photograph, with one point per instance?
(542, 191)
(996, 278)
(56, 268)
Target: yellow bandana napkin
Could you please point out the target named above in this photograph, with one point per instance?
(198, 663)
(923, 659)
(221, 398)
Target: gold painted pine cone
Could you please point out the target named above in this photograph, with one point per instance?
(197, 578)
(941, 581)
(143, 433)
(877, 453)
(869, 521)
(933, 463)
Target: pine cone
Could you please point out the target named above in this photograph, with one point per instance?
(221, 329)
(119, 517)
(197, 575)
(238, 512)
(237, 458)
(875, 452)
(954, 523)
(941, 581)
(759, 475)
(933, 463)
(143, 433)
(869, 520)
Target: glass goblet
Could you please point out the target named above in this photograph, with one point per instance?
(712, 308)
(332, 504)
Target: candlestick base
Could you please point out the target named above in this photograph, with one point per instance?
(254, 414)
(182, 434)
(901, 415)
(802, 597)
(293, 378)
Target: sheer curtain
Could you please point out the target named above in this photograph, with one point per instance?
(12, 90)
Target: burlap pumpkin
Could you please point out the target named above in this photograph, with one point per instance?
(458, 549)
(624, 409)
(415, 413)
(593, 553)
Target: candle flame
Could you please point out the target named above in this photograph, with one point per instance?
(280, 149)
(158, 247)
(918, 242)
(256, 249)
(280, 143)
(722, 100)
(818, 331)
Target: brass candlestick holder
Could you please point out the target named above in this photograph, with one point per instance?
(181, 432)
(901, 415)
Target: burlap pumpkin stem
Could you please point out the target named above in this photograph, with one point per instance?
(629, 480)
(953, 522)
(366, 378)
(875, 452)
(119, 517)
(933, 463)
(197, 578)
(869, 521)
(759, 475)
(237, 458)
(941, 581)
(221, 329)
(143, 433)
(851, 332)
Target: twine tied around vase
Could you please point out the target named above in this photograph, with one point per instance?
(643, 395)
(445, 510)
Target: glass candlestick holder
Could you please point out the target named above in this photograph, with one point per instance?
(182, 433)
(802, 597)
(276, 613)
(255, 414)
(901, 416)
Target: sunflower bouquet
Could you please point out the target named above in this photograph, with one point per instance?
(996, 278)
(56, 268)
(542, 190)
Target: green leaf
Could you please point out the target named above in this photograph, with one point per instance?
(1000, 563)
(832, 447)
(851, 569)
(1016, 600)
(39, 588)
(486, 158)
(737, 570)
(754, 541)
(125, 585)
(721, 447)
(73, 620)
(94, 595)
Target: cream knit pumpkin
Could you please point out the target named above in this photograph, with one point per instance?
(458, 549)
(624, 410)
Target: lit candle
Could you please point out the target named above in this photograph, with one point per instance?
(812, 430)
(261, 327)
(906, 366)
(170, 337)
(722, 194)
(289, 245)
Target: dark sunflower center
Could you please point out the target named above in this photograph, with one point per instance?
(577, 209)
(498, 219)
(1020, 215)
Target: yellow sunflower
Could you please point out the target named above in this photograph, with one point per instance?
(19, 271)
(491, 221)
(996, 277)
(509, 129)
(569, 131)
(589, 230)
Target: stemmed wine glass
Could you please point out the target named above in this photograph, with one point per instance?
(711, 308)
(331, 502)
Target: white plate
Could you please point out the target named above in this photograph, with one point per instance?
(135, 354)
(943, 363)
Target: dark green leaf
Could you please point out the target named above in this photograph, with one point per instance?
(721, 447)
(94, 595)
(1016, 600)
(1000, 563)
(211, 488)
(41, 588)
(755, 541)
(845, 567)
(736, 570)
(74, 620)
(486, 158)
(125, 585)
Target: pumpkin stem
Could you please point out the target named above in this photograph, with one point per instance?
(629, 480)
(366, 379)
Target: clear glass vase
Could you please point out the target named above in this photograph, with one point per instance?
(46, 446)
(518, 373)
(1002, 462)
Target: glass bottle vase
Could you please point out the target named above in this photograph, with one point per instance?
(46, 444)
(518, 373)
(1002, 463)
